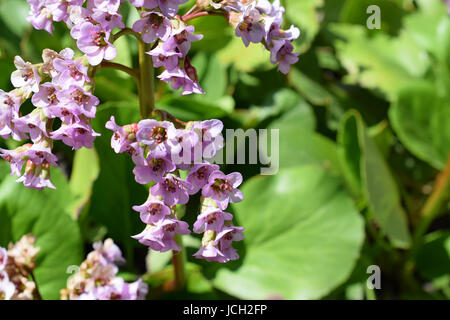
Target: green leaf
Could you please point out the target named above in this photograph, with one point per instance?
(123, 54)
(305, 15)
(194, 108)
(425, 26)
(370, 177)
(246, 59)
(116, 191)
(299, 144)
(285, 100)
(216, 31)
(311, 90)
(380, 62)
(421, 120)
(13, 14)
(85, 170)
(45, 215)
(303, 236)
(354, 12)
(433, 259)
(110, 86)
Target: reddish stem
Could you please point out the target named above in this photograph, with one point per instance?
(197, 14)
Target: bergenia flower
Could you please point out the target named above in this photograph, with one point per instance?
(178, 78)
(210, 135)
(40, 16)
(198, 176)
(97, 277)
(152, 211)
(153, 170)
(123, 137)
(181, 39)
(223, 188)
(172, 189)
(106, 14)
(250, 28)
(78, 101)
(9, 110)
(164, 58)
(26, 76)
(217, 246)
(153, 25)
(93, 41)
(41, 152)
(160, 237)
(34, 124)
(36, 176)
(226, 237)
(210, 253)
(7, 288)
(285, 57)
(109, 251)
(118, 289)
(159, 136)
(16, 158)
(168, 7)
(69, 72)
(76, 135)
(211, 219)
(46, 97)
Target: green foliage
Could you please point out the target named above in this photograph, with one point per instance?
(369, 177)
(301, 256)
(364, 133)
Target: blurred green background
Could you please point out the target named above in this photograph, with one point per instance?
(364, 121)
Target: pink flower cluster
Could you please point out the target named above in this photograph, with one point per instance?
(260, 21)
(97, 277)
(59, 89)
(91, 24)
(173, 42)
(159, 151)
(16, 264)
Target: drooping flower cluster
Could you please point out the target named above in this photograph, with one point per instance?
(59, 89)
(97, 277)
(260, 21)
(160, 151)
(16, 266)
(171, 53)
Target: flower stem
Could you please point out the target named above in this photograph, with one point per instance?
(435, 202)
(146, 87)
(118, 66)
(123, 32)
(197, 14)
(178, 261)
(164, 115)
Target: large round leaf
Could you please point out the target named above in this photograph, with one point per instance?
(303, 236)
